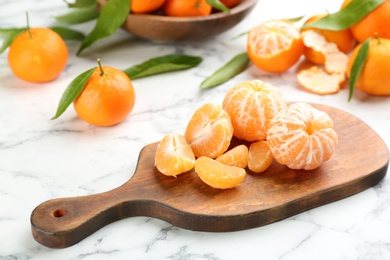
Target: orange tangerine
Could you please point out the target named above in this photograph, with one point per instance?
(230, 3)
(237, 156)
(260, 156)
(38, 55)
(251, 105)
(218, 175)
(376, 22)
(145, 6)
(209, 131)
(275, 46)
(187, 8)
(301, 137)
(374, 79)
(107, 98)
(174, 156)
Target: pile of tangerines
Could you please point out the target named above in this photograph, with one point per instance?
(297, 135)
(178, 8)
(275, 46)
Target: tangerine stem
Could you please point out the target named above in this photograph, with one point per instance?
(28, 25)
(377, 37)
(102, 73)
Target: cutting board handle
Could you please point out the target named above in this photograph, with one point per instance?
(62, 222)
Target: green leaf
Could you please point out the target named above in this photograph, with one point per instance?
(68, 34)
(346, 17)
(296, 19)
(357, 66)
(162, 64)
(80, 15)
(112, 16)
(218, 5)
(73, 91)
(82, 3)
(240, 35)
(234, 67)
(8, 36)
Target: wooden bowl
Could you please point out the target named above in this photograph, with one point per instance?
(164, 28)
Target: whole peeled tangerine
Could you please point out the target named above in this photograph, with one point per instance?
(301, 137)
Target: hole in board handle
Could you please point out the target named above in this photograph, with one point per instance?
(59, 213)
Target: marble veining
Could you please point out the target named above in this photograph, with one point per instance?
(41, 159)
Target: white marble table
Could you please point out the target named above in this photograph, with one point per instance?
(41, 159)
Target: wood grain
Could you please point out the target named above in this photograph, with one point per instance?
(164, 28)
(361, 161)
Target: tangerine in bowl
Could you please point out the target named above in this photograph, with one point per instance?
(159, 27)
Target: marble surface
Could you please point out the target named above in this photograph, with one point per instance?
(41, 159)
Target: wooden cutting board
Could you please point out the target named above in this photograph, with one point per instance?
(360, 161)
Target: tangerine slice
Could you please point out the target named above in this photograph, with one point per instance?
(251, 105)
(174, 156)
(316, 80)
(275, 45)
(302, 137)
(217, 174)
(237, 156)
(260, 156)
(209, 131)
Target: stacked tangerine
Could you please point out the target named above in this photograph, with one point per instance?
(180, 8)
(297, 135)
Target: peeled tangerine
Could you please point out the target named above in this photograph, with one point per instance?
(251, 105)
(302, 137)
(174, 156)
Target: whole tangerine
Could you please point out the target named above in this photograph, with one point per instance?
(230, 3)
(186, 8)
(301, 136)
(251, 105)
(37, 55)
(374, 77)
(145, 6)
(107, 98)
(376, 22)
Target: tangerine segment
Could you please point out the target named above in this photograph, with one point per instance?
(218, 175)
(209, 131)
(318, 81)
(237, 156)
(275, 45)
(260, 156)
(302, 137)
(251, 105)
(174, 156)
